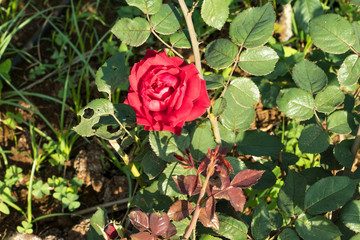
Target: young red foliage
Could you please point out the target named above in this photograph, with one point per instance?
(190, 185)
(180, 210)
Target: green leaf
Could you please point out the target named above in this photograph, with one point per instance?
(314, 174)
(315, 228)
(231, 228)
(291, 195)
(166, 184)
(151, 164)
(253, 27)
(214, 13)
(167, 20)
(235, 117)
(308, 76)
(356, 26)
(341, 122)
(180, 39)
(112, 74)
(220, 53)
(267, 180)
(327, 100)
(133, 32)
(202, 139)
(219, 107)
(208, 237)
(5, 66)
(4, 208)
(342, 152)
(288, 234)
(306, 10)
(349, 72)
(260, 224)
(90, 115)
(313, 139)
(332, 33)
(97, 221)
(258, 143)
(296, 103)
(329, 194)
(214, 81)
(258, 61)
(147, 6)
(244, 91)
(269, 94)
(355, 2)
(350, 215)
(165, 144)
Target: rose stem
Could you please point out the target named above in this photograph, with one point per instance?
(192, 33)
(196, 51)
(209, 172)
(127, 162)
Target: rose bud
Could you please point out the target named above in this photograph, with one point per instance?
(165, 92)
(111, 232)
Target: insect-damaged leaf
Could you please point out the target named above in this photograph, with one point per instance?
(180, 210)
(139, 219)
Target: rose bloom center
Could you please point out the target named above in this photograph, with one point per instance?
(159, 92)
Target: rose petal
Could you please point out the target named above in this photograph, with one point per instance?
(200, 105)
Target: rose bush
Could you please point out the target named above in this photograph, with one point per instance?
(165, 92)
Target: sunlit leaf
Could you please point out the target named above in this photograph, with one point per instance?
(306, 10)
(308, 76)
(214, 13)
(220, 53)
(167, 20)
(139, 219)
(349, 72)
(147, 6)
(180, 210)
(159, 223)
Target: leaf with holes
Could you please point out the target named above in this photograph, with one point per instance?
(215, 12)
(253, 27)
(220, 53)
(167, 20)
(112, 74)
(133, 32)
(147, 6)
(308, 76)
(258, 61)
(332, 33)
(90, 115)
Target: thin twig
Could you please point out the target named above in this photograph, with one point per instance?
(152, 29)
(104, 205)
(236, 61)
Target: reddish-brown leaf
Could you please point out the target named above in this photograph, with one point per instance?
(189, 185)
(170, 232)
(139, 219)
(159, 223)
(180, 210)
(142, 236)
(207, 221)
(224, 176)
(246, 178)
(237, 198)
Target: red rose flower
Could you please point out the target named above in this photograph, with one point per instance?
(165, 92)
